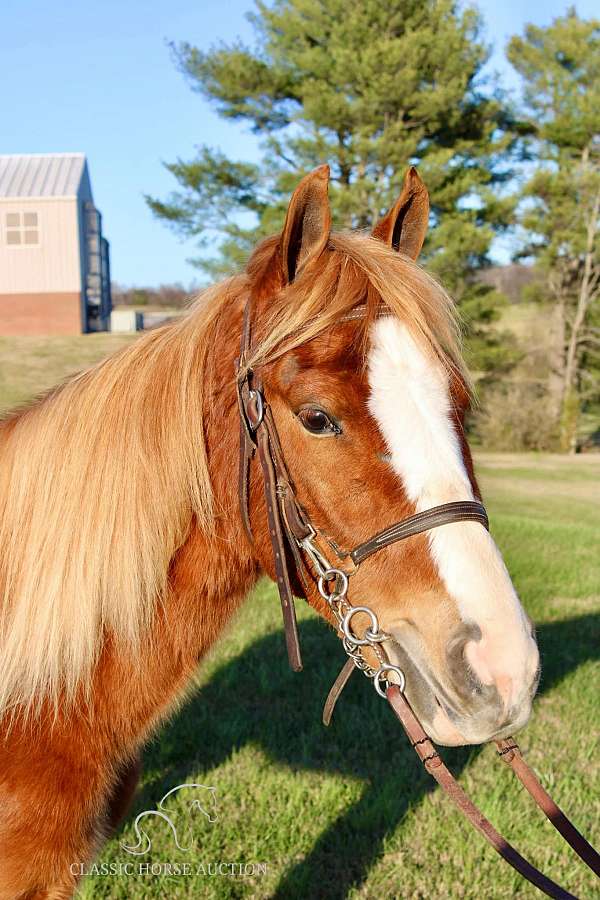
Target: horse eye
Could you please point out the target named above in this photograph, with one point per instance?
(317, 421)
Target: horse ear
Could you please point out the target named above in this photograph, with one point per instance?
(405, 226)
(307, 223)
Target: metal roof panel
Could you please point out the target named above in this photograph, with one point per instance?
(41, 175)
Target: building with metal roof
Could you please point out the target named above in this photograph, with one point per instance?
(54, 260)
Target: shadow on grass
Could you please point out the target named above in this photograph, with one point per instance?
(256, 699)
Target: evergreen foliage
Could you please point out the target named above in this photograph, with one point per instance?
(369, 87)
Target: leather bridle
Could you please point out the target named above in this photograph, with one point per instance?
(290, 528)
(297, 542)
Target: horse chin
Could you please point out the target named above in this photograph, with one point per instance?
(443, 731)
(453, 730)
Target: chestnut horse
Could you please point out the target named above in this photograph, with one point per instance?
(122, 549)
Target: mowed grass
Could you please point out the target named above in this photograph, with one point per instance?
(348, 811)
(31, 365)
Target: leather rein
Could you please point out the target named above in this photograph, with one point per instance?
(298, 543)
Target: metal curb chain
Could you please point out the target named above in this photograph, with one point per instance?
(337, 600)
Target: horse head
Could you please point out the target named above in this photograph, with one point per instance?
(370, 412)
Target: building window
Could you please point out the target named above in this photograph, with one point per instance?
(22, 228)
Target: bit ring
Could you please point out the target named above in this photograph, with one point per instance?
(331, 575)
(387, 667)
(349, 634)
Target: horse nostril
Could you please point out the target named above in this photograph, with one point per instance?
(455, 653)
(489, 684)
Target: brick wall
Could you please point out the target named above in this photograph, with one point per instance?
(40, 314)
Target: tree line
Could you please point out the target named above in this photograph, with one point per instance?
(371, 87)
(165, 296)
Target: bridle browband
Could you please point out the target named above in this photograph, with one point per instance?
(296, 540)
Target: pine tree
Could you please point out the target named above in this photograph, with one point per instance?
(369, 86)
(560, 67)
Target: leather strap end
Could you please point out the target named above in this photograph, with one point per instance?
(336, 689)
(290, 625)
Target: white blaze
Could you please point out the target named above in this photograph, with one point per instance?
(410, 399)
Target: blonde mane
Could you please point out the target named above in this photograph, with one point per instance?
(100, 479)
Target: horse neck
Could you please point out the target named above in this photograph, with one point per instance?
(209, 576)
(206, 578)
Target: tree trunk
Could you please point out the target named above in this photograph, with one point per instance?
(558, 343)
(571, 403)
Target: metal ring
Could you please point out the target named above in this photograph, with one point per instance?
(376, 637)
(345, 625)
(330, 575)
(381, 671)
(349, 646)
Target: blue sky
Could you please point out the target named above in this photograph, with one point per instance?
(99, 78)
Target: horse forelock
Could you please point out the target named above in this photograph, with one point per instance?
(355, 268)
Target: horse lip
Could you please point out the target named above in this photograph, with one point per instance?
(422, 671)
(436, 694)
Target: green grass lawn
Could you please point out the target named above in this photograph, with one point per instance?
(348, 811)
(31, 365)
